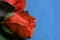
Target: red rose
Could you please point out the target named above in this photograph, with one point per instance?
(18, 4)
(21, 23)
(14, 4)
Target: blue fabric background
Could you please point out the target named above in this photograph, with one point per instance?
(47, 14)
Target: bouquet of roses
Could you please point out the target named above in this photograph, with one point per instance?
(17, 21)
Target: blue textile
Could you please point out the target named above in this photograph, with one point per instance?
(47, 14)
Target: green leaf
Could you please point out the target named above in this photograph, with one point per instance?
(8, 15)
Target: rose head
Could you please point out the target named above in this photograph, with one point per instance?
(13, 5)
(22, 24)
